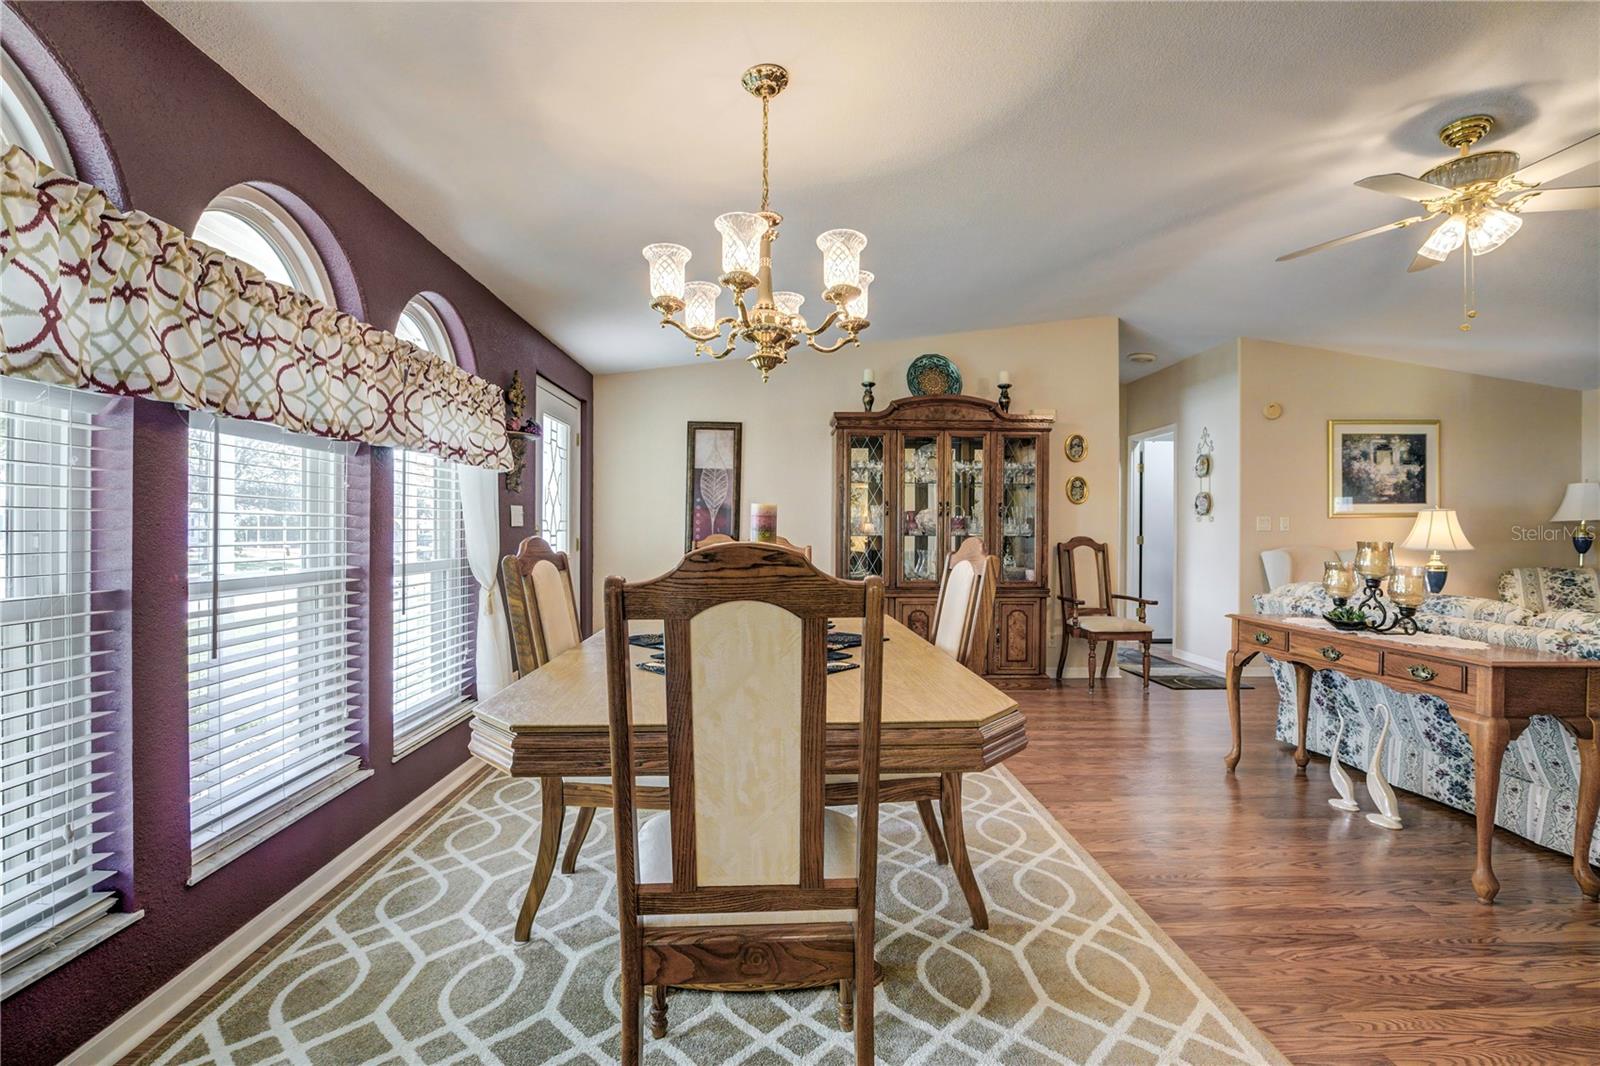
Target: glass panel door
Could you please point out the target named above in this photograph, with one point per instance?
(919, 507)
(558, 470)
(1019, 510)
(865, 508)
(966, 490)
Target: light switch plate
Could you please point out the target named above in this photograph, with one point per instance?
(516, 515)
(1283, 524)
(1263, 523)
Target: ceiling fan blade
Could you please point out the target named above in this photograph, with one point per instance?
(1565, 161)
(1404, 186)
(1373, 232)
(1580, 199)
(1422, 262)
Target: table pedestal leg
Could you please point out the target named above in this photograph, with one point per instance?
(552, 810)
(1302, 711)
(1383, 797)
(1489, 739)
(1341, 777)
(1237, 661)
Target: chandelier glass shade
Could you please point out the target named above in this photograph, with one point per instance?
(1492, 229)
(1444, 240)
(772, 324)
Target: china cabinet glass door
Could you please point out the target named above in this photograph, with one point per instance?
(865, 513)
(1019, 510)
(966, 490)
(919, 507)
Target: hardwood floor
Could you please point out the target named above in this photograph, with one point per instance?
(1344, 942)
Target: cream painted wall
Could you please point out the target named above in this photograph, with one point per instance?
(1066, 367)
(1508, 453)
(1199, 393)
(1591, 435)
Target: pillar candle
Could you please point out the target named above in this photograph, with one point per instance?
(764, 521)
(866, 376)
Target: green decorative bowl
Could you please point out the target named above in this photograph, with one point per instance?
(933, 375)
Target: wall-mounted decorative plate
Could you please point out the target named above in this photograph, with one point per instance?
(1202, 466)
(1202, 504)
(933, 375)
(1075, 447)
(1077, 490)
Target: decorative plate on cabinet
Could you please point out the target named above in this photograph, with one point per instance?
(933, 375)
(1077, 490)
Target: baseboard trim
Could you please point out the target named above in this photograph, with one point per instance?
(1255, 669)
(155, 1010)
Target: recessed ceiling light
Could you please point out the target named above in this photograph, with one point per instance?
(1141, 357)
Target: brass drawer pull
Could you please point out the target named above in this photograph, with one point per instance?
(1263, 638)
(1421, 673)
(1332, 654)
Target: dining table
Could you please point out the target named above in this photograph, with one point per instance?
(938, 717)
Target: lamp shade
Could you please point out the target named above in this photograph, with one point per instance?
(1437, 530)
(1581, 503)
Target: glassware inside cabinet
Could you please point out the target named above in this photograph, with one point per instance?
(919, 505)
(966, 489)
(865, 516)
(1019, 510)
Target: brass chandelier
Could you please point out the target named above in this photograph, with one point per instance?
(774, 325)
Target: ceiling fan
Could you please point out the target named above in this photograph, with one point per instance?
(1482, 196)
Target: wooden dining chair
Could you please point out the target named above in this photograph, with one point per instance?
(748, 882)
(712, 539)
(544, 624)
(964, 627)
(1098, 621)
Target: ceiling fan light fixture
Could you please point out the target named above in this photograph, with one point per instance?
(1492, 229)
(1444, 240)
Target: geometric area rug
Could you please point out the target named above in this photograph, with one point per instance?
(412, 961)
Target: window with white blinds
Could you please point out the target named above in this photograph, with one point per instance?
(64, 573)
(273, 667)
(435, 602)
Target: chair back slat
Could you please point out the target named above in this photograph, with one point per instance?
(746, 705)
(711, 540)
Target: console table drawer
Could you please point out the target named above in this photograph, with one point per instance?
(1430, 672)
(1337, 654)
(1260, 638)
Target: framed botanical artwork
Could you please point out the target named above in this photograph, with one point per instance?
(1383, 467)
(712, 490)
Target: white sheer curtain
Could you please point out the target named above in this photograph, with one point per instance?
(480, 507)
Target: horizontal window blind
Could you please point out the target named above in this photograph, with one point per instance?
(63, 592)
(434, 596)
(272, 627)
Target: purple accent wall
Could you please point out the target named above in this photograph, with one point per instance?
(170, 130)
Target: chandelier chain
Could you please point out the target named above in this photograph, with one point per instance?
(765, 190)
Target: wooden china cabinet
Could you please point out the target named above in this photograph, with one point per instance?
(919, 477)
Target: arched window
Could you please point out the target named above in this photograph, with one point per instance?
(25, 120)
(434, 590)
(251, 226)
(275, 583)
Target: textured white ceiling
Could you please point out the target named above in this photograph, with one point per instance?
(1009, 163)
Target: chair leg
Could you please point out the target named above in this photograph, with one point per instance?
(863, 988)
(552, 810)
(1066, 639)
(1091, 664)
(847, 1018)
(631, 1001)
(956, 840)
(1111, 654)
(580, 829)
(930, 825)
(658, 1011)
(1147, 664)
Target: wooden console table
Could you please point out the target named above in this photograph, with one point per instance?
(1491, 693)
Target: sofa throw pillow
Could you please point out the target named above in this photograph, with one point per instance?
(1552, 588)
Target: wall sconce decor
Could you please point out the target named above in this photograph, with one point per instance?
(519, 430)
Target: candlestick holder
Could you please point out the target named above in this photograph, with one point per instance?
(866, 395)
(1005, 397)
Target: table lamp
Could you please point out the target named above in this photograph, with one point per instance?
(1435, 530)
(1581, 503)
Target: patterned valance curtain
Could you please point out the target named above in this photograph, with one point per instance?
(116, 301)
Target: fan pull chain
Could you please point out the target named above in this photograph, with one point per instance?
(1469, 288)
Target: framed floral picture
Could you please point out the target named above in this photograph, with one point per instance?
(712, 492)
(1382, 467)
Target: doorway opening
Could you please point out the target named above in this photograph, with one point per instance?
(1151, 555)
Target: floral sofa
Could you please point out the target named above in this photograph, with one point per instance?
(1549, 609)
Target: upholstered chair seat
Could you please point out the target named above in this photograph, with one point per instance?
(1108, 623)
